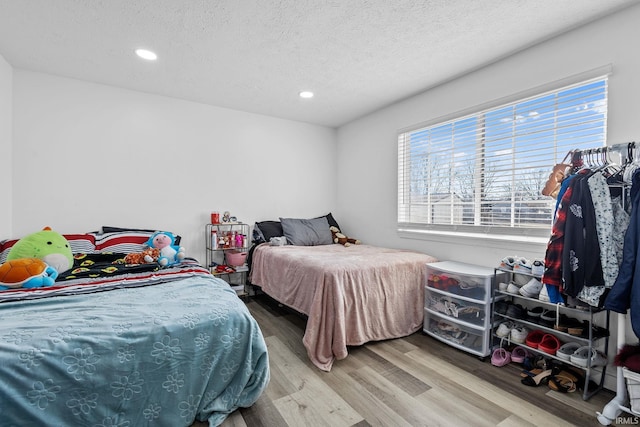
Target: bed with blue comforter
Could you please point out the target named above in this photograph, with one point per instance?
(109, 345)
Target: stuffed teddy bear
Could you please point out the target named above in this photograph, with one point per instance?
(47, 245)
(147, 256)
(164, 242)
(558, 174)
(338, 237)
(26, 273)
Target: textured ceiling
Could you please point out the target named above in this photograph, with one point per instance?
(256, 55)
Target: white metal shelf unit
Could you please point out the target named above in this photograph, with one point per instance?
(220, 241)
(592, 340)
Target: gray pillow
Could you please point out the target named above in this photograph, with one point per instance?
(306, 232)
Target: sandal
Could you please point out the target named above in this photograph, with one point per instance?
(562, 383)
(500, 357)
(518, 354)
(534, 338)
(535, 381)
(549, 344)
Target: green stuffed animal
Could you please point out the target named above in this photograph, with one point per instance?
(47, 245)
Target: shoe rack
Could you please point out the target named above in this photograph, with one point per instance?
(595, 337)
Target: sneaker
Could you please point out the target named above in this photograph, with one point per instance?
(531, 289)
(522, 265)
(582, 355)
(544, 295)
(501, 307)
(548, 318)
(516, 311)
(521, 279)
(519, 334)
(534, 313)
(537, 268)
(512, 288)
(502, 287)
(507, 263)
(504, 329)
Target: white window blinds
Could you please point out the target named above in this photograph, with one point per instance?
(484, 172)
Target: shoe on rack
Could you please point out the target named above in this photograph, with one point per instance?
(537, 268)
(512, 288)
(519, 334)
(502, 286)
(548, 318)
(534, 313)
(534, 338)
(501, 307)
(504, 329)
(531, 289)
(521, 279)
(566, 350)
(522, 265)
(549, 344)
(586, 354)
(507, 263)
(544, 295)
(516, 311)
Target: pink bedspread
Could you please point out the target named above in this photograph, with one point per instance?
(351, 295)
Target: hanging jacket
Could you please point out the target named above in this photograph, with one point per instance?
(581, 251)
(625, 293)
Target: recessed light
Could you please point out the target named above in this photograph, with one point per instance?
(146, 54)
(306, 94)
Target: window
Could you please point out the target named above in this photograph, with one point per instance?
(484, 172)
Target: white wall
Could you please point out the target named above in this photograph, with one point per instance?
(6, 120)
(88, 155)
(367, 148)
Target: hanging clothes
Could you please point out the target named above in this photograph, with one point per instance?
(553, 273)
(625, 293)
(603, 210)
(581, 264)
(621, 221)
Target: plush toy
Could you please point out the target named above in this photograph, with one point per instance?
(169, 253)
(559, 173)
(47, 245)
(338, 237)
(26, 273)
(147, 256)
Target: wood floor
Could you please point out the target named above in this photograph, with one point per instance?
(413, 381)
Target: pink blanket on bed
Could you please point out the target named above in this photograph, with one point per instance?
(351, 295)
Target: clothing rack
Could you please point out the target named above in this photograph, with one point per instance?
(601, 155)
(618, 404)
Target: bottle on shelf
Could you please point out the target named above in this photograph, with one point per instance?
(214, 239)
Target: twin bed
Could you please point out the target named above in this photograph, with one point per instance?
(116, 344)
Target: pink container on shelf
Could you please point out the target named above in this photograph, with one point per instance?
(236, 258)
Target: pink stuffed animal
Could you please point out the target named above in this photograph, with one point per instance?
(169, 253)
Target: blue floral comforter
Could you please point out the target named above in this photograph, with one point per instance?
(162, 348)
